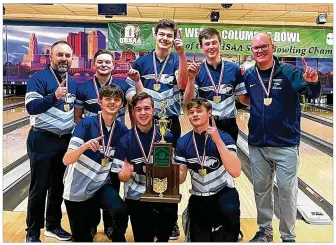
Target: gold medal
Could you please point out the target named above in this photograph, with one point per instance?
(202, 172)
(217, 99)
(66, 107)
(156, 86)
(104, 161)
(267, 101)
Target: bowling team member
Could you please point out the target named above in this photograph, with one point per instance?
(218, 81)
(49, 101)
(274, 133)
(89, 160)
(132, 154)
(210, 155)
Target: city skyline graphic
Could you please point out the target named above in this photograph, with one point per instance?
(27, 52)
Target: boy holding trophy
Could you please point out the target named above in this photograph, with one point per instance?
(134, 152)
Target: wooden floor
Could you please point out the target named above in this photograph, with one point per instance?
(14, 222)
(14, 230)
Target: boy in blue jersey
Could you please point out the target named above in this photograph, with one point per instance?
(132, 154)
(218, 81)
(87, 96)
(86, 180)
(49, 101)
(210, 155)
(87, 103)
(274, 133)
(161, 74)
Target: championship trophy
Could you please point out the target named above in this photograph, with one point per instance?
(162, 177)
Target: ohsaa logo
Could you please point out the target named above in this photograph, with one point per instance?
(131, 35)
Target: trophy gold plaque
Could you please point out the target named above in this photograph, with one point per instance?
(162, 177)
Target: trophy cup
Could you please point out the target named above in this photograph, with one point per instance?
(162, 177)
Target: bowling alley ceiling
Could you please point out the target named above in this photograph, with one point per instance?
(239, 14)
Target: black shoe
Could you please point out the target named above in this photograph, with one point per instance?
(262, 236)
(108, 232)
(175, 233)
(58, 233)
(93, 232)
(289, 240)
(32, 239)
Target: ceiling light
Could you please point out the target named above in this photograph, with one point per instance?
(214, 16)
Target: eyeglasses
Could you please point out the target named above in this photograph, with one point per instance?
(261, 47)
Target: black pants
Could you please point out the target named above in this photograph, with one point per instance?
(80, 214)
(107, 218)
(175, 128)
(142, 220)
(215, 218)
(45, 151)
(229, 126)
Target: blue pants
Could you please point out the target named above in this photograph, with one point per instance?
(215, 218)
(45, 152)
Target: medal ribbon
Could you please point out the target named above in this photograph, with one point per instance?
(157, 78)
(267, 92)
(211, 79)
(95, 85)
(66, 79)
(107, 149)
(197, 153)
(141, 147)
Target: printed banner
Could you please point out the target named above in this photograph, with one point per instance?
(236, 40)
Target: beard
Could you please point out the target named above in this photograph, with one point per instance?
(62, 68)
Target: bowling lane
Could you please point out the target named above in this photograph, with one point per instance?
(315, 168)
(314, 128)
(317, 129)
(317, 111)
(14, 145)
(14, 114)
(14, 99)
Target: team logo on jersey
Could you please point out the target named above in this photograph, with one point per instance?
(70, 98)
(226, 89)
(277, 84)
(131, 35)
(212, 163)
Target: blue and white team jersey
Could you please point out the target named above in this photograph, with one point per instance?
(217, 177)
(83, 178)
(129, 149)
(87, 98)
(168, 82)
(45, 110)
(232, 84)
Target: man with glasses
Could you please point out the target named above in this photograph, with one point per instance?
(218, 81)
(274, 133)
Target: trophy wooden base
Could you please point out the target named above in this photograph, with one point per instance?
(156, 198)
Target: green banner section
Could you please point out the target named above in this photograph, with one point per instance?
(236, 40)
